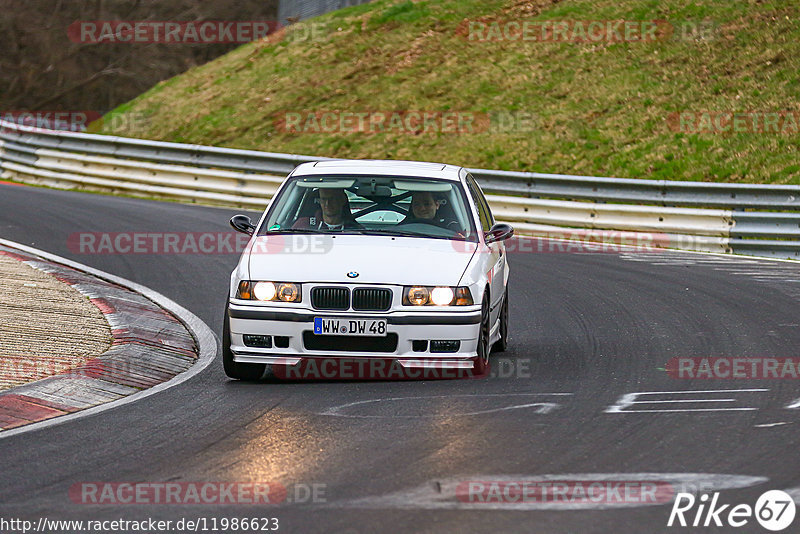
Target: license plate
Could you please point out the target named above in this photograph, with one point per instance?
(341, 326)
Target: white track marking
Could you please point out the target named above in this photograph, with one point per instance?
(448, 494)
(795, 404)
(630, 399)
(541, 407)
(794, 493)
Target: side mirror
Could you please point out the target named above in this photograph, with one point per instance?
(499, 232)
(242, 223)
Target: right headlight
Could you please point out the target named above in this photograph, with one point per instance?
(436, 296)
(266, 291)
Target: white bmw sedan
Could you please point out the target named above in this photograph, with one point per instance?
(369, 261)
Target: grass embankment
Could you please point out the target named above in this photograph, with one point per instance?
(596, 108)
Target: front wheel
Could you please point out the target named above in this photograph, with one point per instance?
(237, 370)
(502, 344)
(482, 361)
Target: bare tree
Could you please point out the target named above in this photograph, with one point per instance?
(41, 68)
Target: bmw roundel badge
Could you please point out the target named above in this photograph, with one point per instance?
(352, 274)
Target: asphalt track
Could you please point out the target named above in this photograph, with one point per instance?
(593, 326)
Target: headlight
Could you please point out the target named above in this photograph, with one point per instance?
(436, 296)
(288, 292)
(264, 291)
(418, 295)
(442, 296)
(269, 291)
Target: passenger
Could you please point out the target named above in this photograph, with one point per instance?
(425, 209)
(424, 206)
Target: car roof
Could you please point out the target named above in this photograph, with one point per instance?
(379, 167)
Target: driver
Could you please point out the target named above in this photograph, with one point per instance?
(335, 211)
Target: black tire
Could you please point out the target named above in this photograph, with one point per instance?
(481, 366)
(239, 371)
(502, 344)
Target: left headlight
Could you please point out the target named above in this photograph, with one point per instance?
(436, 296)
(266, 291)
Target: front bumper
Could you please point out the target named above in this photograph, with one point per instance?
(297, 325)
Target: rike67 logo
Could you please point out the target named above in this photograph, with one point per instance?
(774, 510)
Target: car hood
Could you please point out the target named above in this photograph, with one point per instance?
(376, 259)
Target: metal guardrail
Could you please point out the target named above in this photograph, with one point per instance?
(653, 192)
(686, 215)
(303, 9)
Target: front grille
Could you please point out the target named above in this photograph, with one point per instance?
(386, 343)
(372, 299)
(330, 298)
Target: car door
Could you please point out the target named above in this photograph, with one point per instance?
(496, 250)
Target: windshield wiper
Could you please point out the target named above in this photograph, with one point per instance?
(390, 233)
(292, 231)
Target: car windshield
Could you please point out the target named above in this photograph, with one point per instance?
(371, 205)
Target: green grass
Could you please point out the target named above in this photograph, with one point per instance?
(596, 108)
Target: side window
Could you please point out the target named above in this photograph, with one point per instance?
(483, 209)
(485, 203)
